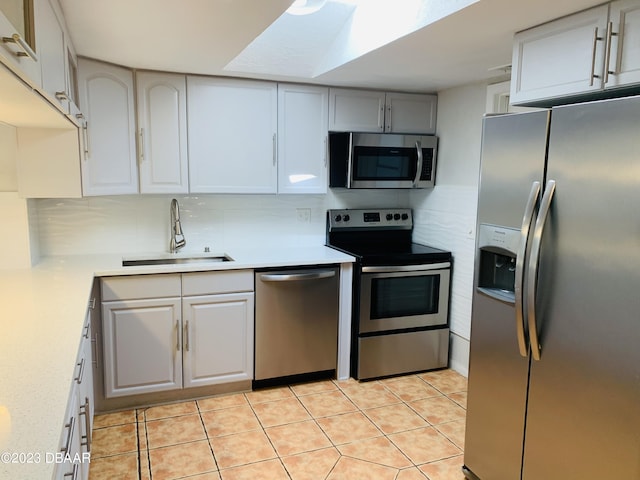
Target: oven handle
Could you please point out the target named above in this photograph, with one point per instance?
(406, 268)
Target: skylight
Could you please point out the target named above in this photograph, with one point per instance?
(330, 33)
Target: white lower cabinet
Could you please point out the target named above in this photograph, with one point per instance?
(72, 457)
(217, 329)
(173, 331)
(142, 346)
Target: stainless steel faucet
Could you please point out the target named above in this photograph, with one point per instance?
(176, 229)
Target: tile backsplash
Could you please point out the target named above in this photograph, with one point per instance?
(140, 224)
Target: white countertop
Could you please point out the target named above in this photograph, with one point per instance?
(42, 313)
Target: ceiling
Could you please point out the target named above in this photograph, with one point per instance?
(452, 43)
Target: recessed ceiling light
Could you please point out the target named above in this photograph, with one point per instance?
(305, 7)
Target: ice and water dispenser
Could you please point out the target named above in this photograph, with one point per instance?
(497, 247)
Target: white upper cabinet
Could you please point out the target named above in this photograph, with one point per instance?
(373, 111)
(18, 51)
(232, 135)
(624, 57)
(107, 100)
(410, 113)
(560, 58)
(302, 138)
(50, 39)
(356, 110)
(568, 56)
(162, 132)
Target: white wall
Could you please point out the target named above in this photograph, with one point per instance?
(19, 222)
(8, 156)
(445, 217)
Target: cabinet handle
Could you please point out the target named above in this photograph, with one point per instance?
(178, 335)
(607, 58)
(86, 330)
(186, 336)
(92, 303)
(85, 134)
(275, 148)
(596, 38)
(78, 378)
(387, 119)
(85, 410)
(141, 145)
(26, 49)
(73, 473)
(94, 351)
(381, 118)
(326, 150)
(69, 426)
(62, 96)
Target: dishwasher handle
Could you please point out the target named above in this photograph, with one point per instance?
(294, 277)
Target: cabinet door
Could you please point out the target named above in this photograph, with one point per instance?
(142, 346)
(624, 60)
(52, 52)
(410, 113)
(302, 139)
(85, 396)
(356, 110)
(69, 444)
(218, 338)
(162, 122)
(17, 18)
(563, 57)
(232, 135)
(106, 98)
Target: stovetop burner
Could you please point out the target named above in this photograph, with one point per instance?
(379, 236)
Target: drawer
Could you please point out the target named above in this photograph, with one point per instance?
(140, 286)
(204, 283)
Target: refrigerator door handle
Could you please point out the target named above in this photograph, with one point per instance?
(527, 220)
(534, 261)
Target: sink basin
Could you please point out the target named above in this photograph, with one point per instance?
(173, 260)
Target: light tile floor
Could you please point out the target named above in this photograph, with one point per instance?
(402, 428)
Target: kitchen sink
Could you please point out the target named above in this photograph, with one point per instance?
(175, 260)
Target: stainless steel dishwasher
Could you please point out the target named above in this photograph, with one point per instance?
(296, 331)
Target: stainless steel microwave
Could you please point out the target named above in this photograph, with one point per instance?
(381, 160)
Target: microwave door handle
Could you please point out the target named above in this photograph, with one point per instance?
(416, 180)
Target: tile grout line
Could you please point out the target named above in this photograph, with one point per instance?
(279, 458)
(206, 434)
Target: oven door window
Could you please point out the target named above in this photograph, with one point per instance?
(403, 300)
(404, 296)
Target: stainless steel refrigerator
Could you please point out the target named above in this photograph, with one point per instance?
(554, 373)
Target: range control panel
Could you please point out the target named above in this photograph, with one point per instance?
(383, 218)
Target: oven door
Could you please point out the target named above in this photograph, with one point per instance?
(404, 297)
